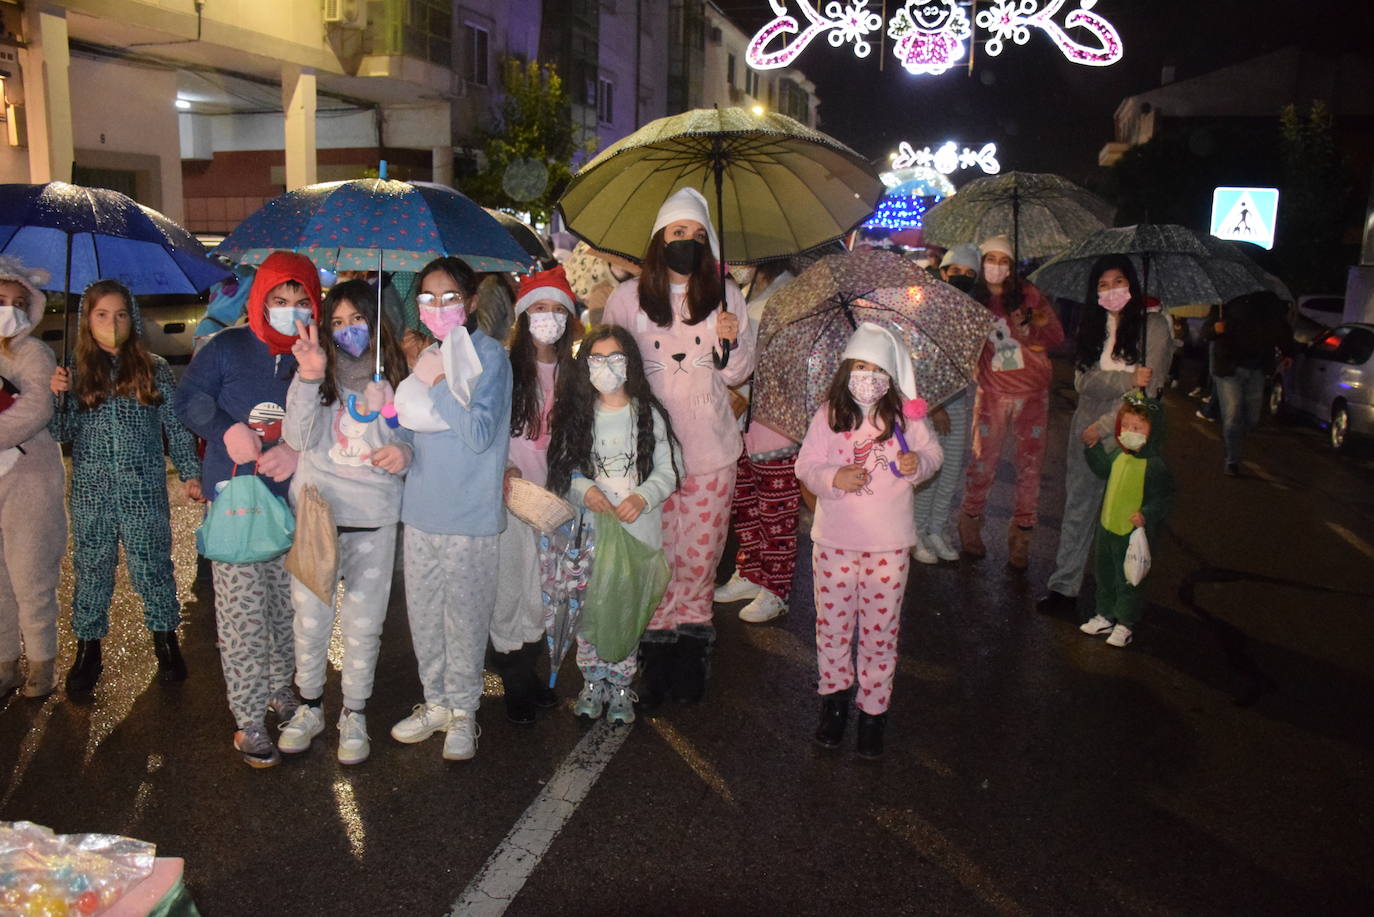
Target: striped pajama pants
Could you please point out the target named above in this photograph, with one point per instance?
(935, 498)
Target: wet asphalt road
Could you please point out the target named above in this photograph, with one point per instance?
(1221, 764)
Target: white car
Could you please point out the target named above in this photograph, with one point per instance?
(1332, 382)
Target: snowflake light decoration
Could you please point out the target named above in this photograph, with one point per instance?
(850, 22)
(948, 159)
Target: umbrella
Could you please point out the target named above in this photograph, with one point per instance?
(87, 234)
(524, 236)
(1241, 253)
(943, 328)
(778, 186)
(587, 268)
(1042, 214)
(565, 558)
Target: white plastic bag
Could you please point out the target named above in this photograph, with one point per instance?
(1137, 557)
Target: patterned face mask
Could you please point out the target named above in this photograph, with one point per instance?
(868, 386)
(352, 339)
(547, 327)
(995, 273)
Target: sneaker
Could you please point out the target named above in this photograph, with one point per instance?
(460, 743)
(353, 745)
(941, 546)
(297, 733)
(737, 590)
(591, 700)
(621, 708)
(284, 703)
(1120, 636)
(1096, 626)
(922, 554)
(255, 746)
(1196, 392)
(766, 606)
(424, 721)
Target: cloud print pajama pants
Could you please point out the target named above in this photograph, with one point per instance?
(858, 591)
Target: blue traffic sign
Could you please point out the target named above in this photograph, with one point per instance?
(1245, 215)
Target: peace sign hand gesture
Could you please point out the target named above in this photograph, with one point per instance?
(308, 353)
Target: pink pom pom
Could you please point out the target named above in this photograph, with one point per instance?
(914, 408)
(389, 410)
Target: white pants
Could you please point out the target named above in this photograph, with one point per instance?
(519, 615)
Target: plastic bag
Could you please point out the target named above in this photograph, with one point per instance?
(1137, 557)
(246, 524)
(628, 580)
(46, 873)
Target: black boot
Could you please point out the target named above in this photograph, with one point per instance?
(655, 673)
(871, 734)
(170, 665)
(689, 668)
(834, 714)
(1057, 604)
(518, 681)
(544, 695)
(85, 671)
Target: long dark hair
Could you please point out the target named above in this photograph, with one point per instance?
(704, 293)
(363, 298)
(467, 281)
(574, 414)
(96, 381)
(1011, 287)
(526, 398)
(1092, 326)
(845, 414)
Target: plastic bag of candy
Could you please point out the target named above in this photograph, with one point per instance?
(67, 875)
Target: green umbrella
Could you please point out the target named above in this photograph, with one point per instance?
(1042, 214)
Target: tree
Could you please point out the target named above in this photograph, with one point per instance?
(532, 139)
(1315, 203)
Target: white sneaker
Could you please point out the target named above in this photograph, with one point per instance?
(460, 743)
(424, 721)
(590, 700)
(922, 554)
(353, 744)
(1096, 626)
(766, 606)
(621, 708)
(941, 546)
(1120, 636)
(737, 590)
(297, 732)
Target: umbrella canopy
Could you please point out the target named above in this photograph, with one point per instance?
(1240, 252)
(375, 224)
(1042, 214)
(783, 187)
(524, 236)
(565, 559)
(943, 328)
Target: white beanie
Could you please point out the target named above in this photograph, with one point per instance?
(998, 244)
(884, 347)
(965, 255)
(13, 270)
(687, 204)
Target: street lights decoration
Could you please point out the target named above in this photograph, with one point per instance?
(948, 159)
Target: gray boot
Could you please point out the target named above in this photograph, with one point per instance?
(9, 677)
(42, 678)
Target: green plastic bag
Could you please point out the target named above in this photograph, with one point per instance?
(246, 523)
(627, 582)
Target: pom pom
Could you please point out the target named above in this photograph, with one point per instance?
(914, 408)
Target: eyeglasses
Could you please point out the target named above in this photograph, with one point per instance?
(451, 298)
(598, 360)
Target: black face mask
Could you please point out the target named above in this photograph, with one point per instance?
(683, 255)
(962, 282)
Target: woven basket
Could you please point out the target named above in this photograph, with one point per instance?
(537, 507)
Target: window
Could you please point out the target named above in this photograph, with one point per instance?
(475, 40)
(751, 82)
(605, 101)
(730, 70)
(1357, 347)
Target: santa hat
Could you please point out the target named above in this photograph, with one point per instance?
(687, 204)
(965, 255)
(997, 244)
(885, 348)
(551, 285)
(30, 278)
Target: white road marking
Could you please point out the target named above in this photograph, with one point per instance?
(1265, 476)
(1207, 429)
(1355, 541)
(503, 875)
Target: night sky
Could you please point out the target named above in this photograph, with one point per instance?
(1044, 113)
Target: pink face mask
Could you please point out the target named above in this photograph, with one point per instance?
(440, 320)
(867, 386)
(996, 273)
(1114, 299)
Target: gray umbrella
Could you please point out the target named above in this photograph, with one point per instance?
(1043, 214)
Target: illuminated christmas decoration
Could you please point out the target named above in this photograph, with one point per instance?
(897, 212)
(929, 35)
(948, 158)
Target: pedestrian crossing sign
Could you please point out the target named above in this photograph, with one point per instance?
(1245, 215)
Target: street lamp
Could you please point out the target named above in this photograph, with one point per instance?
(757, 110)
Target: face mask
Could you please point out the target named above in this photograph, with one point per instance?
(1114, 299)
(1132, 441)
(283, 319)
(13, 320)
(608, 378)
(996, 273)
(961, 282)
(441, 320)
(684, 255)
(352, 339)
(547, 327)
(110, 337)
(868, 386)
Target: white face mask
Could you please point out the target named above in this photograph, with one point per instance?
(996, 273)
(608, 378)
(13, 321)
(547, 327)
(283, 319)
(1133, 441)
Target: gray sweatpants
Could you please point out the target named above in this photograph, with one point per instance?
(365, 564)
(33, 538)
(936, 497)
(253, 616)
(450, 593)
(519, 615)
(1082, 500)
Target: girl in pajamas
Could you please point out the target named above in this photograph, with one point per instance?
(541, 342)
(119, 407)
(853, 460)
(612, 452)
(357, 468)
(672, 310)
(456, 404)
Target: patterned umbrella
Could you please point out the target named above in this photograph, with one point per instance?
(351, 225)
(943, 328)
(566, 556)
(1042, 214)
(524, 236)
(587, 268)
(1240, 252)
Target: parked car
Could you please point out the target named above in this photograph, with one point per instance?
(1332, 382)
(169, 324)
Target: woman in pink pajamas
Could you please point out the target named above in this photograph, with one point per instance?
(866, 449)
(673, 311)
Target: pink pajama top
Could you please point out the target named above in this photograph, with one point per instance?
(531, 456)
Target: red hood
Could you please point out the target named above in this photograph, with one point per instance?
(276, 270)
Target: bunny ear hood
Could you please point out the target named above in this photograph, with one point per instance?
(885, 348)
(31, 279)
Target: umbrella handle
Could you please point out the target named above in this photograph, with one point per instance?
(388, 411)
(722, 357)
(901, 443)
